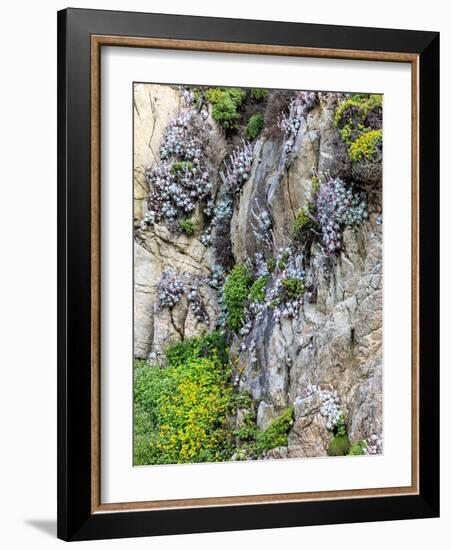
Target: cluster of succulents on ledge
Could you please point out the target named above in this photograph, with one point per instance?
(330, 403)
(333, 206)
(337, 207)
(170, 289)
(238, 167)
(180, 181)
(173, 285)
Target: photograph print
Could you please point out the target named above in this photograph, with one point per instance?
(257, 234)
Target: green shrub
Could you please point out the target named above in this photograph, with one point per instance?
(282, 263)
(181, 412)
(304, 221)
(257, 292)
(212, 345)
(292, 288)
(188, 227)
(355, 119)
(271, 264)
(275, 435)
(226, 102)
(247, 430)
(259, 94)
(365, 146)
(236, 290)
(254, 126)
(316, 184)
(357, 448)
(339, 446)
(179, 167)
(358, 104)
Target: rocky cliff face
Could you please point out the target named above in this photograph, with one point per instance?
(325, 358)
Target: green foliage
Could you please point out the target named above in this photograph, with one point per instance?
(275, 435)
(339, 446)
(226, 102)
(301, 222)
(271, 264)
(236, 290)
(257, 292)
(210, 345)
(188, 227)
(357, 448)
(340, 428)
(282, 263)
(315, 184)
(365, 146)
(259, 94)
(354, 119)
(254, 125)
(179, 167)
(292, 288)
(304, 221)
(358, 104)
(181, 411)
(247, 430)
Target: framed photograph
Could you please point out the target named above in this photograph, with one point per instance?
(248, 274)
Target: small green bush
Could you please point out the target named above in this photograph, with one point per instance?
(357, 448)
(292, 288)
(360, 105)
(356, 119)
(188, 227)
(282, 263)
(259, 94)
(226, 102)
(365, 146)
(271, 264)
(316, 184)
(247, 430)
(339, 446)
(236, 290)
(303, 222)
(179, 167)
(257, 292)
(275, 435)
(211, 345)
(254, 126)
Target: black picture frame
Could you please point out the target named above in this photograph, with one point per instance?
(76, 521)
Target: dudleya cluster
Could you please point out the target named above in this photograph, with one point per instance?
(330, 407)
(217, 277)
(196, 302)
(173, 286)
(180, 181)
(170, 289)
(337, 207)
(286, 295)
(222, 211)
(238, 167)
(290, 122)
(181, 139)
